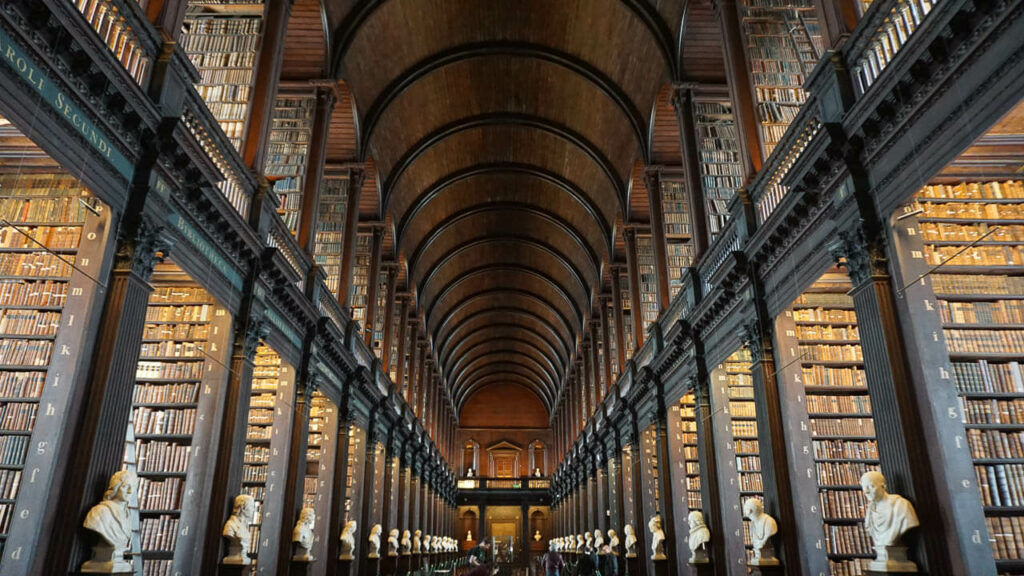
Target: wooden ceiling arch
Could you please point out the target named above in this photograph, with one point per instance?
(504, 137)
(512, 302)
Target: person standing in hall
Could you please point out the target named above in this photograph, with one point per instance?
(586, 565)
(552, 563)
(607, 563)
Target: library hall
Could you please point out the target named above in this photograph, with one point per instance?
(511, 287)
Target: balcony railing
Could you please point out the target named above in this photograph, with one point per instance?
(893, 24)
(118, 24)
(525, 483)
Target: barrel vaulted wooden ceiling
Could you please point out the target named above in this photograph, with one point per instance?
(504, 140)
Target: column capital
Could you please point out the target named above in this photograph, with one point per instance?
(864, 258)
(141, 248)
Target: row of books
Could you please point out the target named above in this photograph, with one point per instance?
(744, 429)
(37, 265)
(257, 433)
(163, 421)
(818, 375)
(1001, 484)
(45, 293)
(163, 457)
(21, 384)
(223, 60)
(983, 376)
(255, 453)
(838, 504)
(977, 284)
(838, 404)
(162, 494)
(157, 567)
(156, 370)
(997, 312)
(254, 473)
(845, 568)
(166, 348)
(751, 482)
(979, 255)
(1006, 535)
(29, 322)
(176, 295)
(992, 233)
(25, 352)
(13, 450)
(845, 540)
(176, 332)
(748, 463)
(197, 313)
(742, 409)
(849, 449)
(160, 533)
(826, 300)
(842, 473)
(971, 211)
(42, 209)
(827, 332)
(830, 353)
(36, 237)
(10, 481)
(18, 415)
(42, 184)
(993, 189)
(164, 394)
(857, 427)
(990, 444)
(985, 341)
(993, 411)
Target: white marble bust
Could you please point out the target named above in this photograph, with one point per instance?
(348, 540)
(417, 541)
(887, 518)
(406, 544)
(109, 520)
(537, 537)
(393, 542)
(657, 538)
(236, 530)
(588, 542)
(469, 535)
(762, 528)
(426, 544)
(699, 537)
(630, 541)
(580, 543)
(374, 539)
(302, 535)
(613, 541)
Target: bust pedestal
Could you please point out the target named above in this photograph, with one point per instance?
(702, 564)
(389, 565)
(632, 566)
(235, 570)
(660, 566)
(766, 569)
(299, 567)
(891, 560)
(344, 567)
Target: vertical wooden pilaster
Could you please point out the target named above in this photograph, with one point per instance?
(266, 76)
(602, 303)
(403, 328)
(391, 269)
(595, 362)
(308, 217)
(682, 102)
(99, 440)
(372, 283)
(295, 473)
(348, 251)
(741, 89)
(636, 302)
(620, 330)
(652, 181)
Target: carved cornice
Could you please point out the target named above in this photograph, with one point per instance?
(863, 258)
(139, 251)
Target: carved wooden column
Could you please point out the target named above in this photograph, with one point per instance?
(682, 102)
(415, 356)
(370, 515)
(335, 520)
(616, 273)
(403, 330)
(741, 89)
(595, 362)
(636, 302)
(295, 474)
(775, 474)
(895, 406)
(632, 442)
(107, 404)
(308, 217)
(391, 269)
(667, 491)
(710, 494)
(652, 181)
(602, 301)
(372, 283)
(348, 250)
(266, 76)
(675, 469)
